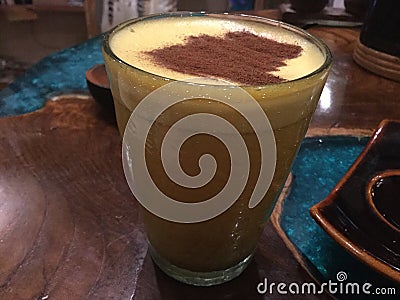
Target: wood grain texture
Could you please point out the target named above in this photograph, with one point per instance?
(69, 226)
(68, 219)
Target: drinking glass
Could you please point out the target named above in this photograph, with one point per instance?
(206, 160)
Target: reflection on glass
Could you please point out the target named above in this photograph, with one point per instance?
(325, 101)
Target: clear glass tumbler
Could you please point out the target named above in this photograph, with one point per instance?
(206, 187)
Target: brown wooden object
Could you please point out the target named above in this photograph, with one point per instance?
(377, 62)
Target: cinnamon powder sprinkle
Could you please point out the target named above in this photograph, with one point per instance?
(241, 57)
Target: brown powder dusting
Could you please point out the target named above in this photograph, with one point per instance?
(240, 56)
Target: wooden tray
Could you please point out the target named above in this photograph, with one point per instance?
(377, 62)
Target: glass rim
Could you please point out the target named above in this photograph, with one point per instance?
(297, 30)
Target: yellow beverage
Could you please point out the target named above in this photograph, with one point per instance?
(216, 249)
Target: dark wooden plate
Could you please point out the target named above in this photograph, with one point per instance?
(361, 213)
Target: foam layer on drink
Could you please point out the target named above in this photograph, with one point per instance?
(132, 44)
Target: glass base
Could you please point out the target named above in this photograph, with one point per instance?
(199, 278)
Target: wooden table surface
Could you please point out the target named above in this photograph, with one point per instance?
(69, 226)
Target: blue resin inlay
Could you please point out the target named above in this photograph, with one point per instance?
(58, 73)
(320, 164)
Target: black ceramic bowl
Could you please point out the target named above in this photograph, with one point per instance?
(308, 6)
(362, 212)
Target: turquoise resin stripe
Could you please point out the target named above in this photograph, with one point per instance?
(58, 73)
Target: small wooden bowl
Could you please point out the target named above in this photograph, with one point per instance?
(99, 87)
